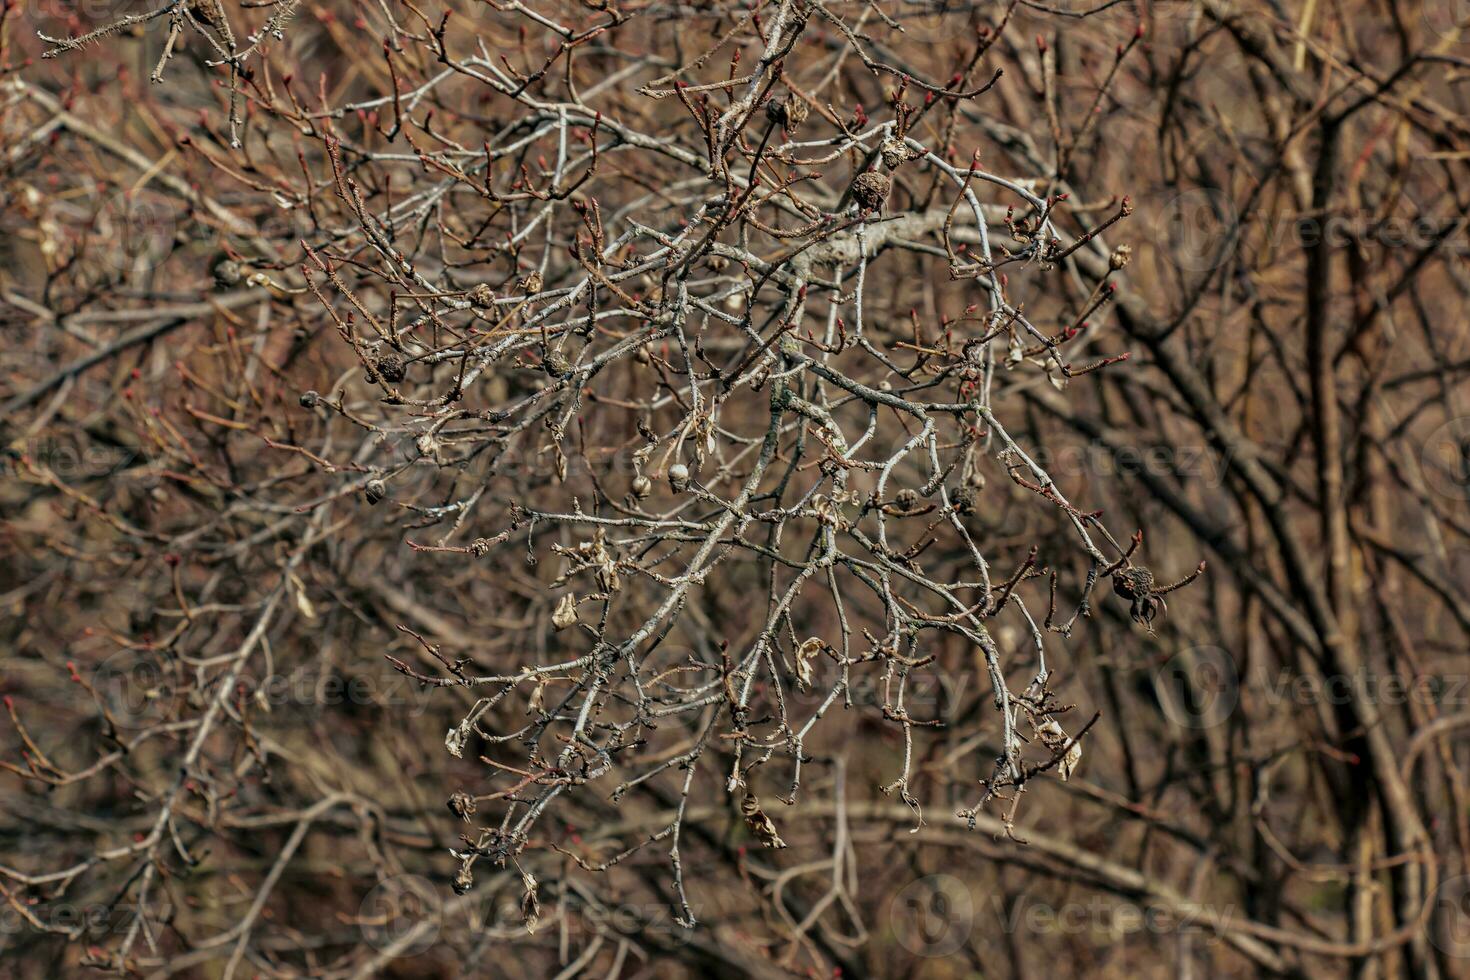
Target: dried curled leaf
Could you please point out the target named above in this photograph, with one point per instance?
(530, 902)
(760, 825)
(454, 741)
(565, 614)
(1054, 738)
(805, 655)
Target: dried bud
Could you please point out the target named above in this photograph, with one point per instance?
(871, 189)
(895, 153)
(964, 500)
(642, 486)
(464, 879)
(907, 499)
(227, 273)
(679, 477)
(426, 444)
(1133, 583)
(461, 804)
(1137, 586)
(374, 491)
(390, 367)
(789, 112)
(530, 284)
(309, 399)
(1120, 257)
(482, 295)
(565, 614)
(556, 364)
(480, 547)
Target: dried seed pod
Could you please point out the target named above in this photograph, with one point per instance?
(679, 477)
(964, 500)
(907, 499)
(482, 295)
(642, 355)
(895, 153)
(788, 112)
(565, 614)
(464, 879)
(374, 491)
(871, 189)
(309, 399)
(426, 444)
(530, 283)
(1120, 257)
(461, 804)
(227, 272)
(1137, 586)
(642, 486)
(480, 547)
(390, 367)
(760, 825)
(1133, 583)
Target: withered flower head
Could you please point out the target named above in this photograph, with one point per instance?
(871, 189)
(482, 295)
(462, 804)
(1137, 586)
(788, 112)
(390, 367)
